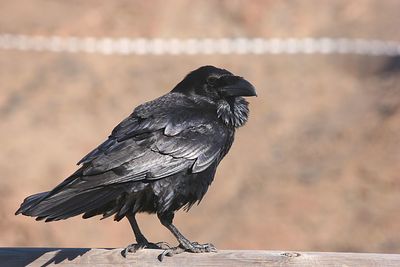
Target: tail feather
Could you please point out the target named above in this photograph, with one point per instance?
(47, 203)
(30, 202)
(88, 201)
(68, 203)
(80, 194)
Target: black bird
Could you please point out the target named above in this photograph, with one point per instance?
(161, 158)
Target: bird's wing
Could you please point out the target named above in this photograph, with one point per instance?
(160, 138)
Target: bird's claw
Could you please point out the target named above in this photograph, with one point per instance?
(171, 252)
(162, 245)
(193, 247)
(133, 248)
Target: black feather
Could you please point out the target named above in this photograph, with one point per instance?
(161, 158)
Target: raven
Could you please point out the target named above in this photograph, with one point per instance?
(161, 158)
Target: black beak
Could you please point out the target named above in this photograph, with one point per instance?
(236, 86)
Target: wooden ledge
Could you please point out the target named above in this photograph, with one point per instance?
(108, 257)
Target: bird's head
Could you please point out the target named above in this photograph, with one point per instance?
(221, 88)
(214, 83)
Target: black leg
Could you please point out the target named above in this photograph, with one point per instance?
(185, 244)
(135, 227)
(141, 241)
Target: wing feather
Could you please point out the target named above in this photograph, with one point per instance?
(160, 138)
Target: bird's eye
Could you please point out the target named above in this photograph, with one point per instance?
(212, 80)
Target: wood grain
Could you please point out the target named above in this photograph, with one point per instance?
(111, 257)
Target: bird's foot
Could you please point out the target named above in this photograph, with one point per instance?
(200, 248)
(193, 247)
(132, 248)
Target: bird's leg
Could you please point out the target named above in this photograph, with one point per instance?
(141, 241)
(184, 243)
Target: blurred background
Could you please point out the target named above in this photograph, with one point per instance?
(316, 167)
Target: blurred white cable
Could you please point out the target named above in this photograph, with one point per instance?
(206, 46)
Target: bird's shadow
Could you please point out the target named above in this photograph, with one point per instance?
(66, 254)
(27, 256)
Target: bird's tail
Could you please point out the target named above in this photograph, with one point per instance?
(65, 201)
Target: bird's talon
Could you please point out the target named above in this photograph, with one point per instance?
(133, 248)
(162, 255)
(171, 252)
(163, 245)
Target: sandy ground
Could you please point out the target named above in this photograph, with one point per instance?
(316, 167)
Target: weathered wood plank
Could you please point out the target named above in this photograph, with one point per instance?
(110, 257)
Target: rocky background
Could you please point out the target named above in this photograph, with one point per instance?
(316, 167)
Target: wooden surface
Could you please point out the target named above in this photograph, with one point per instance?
(108, 257)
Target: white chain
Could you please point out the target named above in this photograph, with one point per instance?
(157, 46)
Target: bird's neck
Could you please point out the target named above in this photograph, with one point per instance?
(233, 111)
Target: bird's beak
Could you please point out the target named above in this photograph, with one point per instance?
(237, 86)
